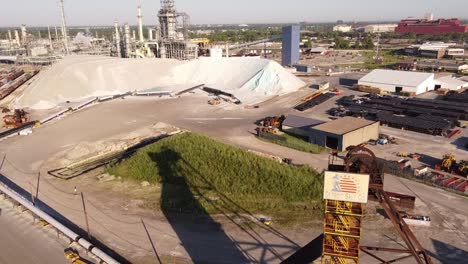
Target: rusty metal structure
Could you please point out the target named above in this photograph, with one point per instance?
(342, 225)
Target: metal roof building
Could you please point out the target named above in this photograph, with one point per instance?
(399, 81)
(344, 132)
(299, 125)
(451, 83)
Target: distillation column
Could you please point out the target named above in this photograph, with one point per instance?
(127, 41)
(117, 40)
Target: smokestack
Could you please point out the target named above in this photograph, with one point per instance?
(127, 41)
(117, 40)
(40, 36)
(18, 42)
(50, 38)
(56, 33)
(64, 27)
(140, 25)
(97, 35)
(23, 33)
(133, 35)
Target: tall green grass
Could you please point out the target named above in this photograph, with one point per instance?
(200, 175)
(295, 143)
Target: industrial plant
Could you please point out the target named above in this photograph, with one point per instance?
(169, 39)
(175, 142)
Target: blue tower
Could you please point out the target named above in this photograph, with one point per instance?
(291, 45)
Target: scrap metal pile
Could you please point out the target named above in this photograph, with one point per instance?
(457, 96)
(12, 79)
(434, 117)
(18, 118)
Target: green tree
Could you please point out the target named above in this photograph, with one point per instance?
(341, 43)
(368, 43)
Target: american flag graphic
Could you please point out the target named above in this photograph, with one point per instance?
(348, 185)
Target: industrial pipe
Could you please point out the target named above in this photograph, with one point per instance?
(90, 101)
(56, 224)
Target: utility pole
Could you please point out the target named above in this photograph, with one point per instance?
(151, 241)
(37, 185)
(86, 216)
(3, 161)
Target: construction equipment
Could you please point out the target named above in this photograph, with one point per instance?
(448, 162)
(273, 122)
(403, 154)
(215, 101)
(18, 118)
(462, 168)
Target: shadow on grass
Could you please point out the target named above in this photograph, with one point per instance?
(180, 200)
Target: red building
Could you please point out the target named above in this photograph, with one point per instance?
(424, 26)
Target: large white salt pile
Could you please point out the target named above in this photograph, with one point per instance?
(78, 77)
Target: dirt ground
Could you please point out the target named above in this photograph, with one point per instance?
(336, 57)
(116, 208)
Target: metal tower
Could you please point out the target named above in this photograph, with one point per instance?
(64, 27)
(168, 20)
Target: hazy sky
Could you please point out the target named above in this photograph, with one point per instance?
(104, 12)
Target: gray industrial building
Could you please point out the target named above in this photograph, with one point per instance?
(344, 132)
(299, 125)
(291, 45)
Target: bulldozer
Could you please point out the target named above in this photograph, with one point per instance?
(448, 162)
(18, 118)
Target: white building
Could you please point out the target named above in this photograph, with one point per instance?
(343, 28)
(380, 28)
(455, 52)
(399, 81)
(38, 51)
(450, 83)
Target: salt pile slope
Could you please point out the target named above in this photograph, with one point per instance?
(252, 80)
(79, 77)
(75, 78)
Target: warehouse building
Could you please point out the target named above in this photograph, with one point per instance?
(380, 28)
(399, 81)
(442, 66)
(299, 125)
(344, 132)
(450, 83)
(343, 28)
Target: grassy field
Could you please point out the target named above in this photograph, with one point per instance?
(199, 175)
(388, 59)
(295, 143)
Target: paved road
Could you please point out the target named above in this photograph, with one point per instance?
(23, 242)
(232, 125)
